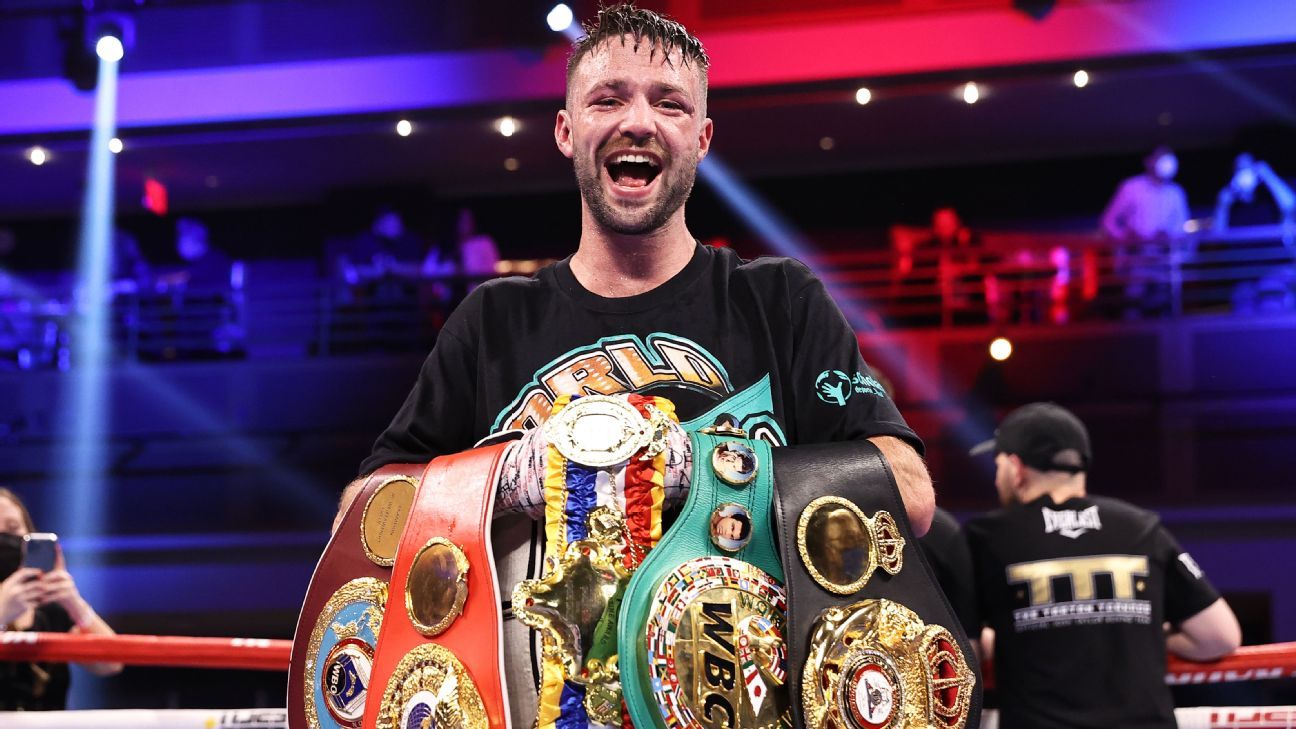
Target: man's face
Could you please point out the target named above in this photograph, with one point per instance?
(729, 528)
(731, 460)
(635, 128)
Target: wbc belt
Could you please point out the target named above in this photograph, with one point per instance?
(700, 636)
(333, 647)
(872, 641)
(438, 658)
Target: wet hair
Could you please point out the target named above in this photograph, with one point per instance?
(615, 22)
(22, 508)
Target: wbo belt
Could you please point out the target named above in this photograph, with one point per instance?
(872, 642)
(700, 635)
(337, 630)
(438, 658)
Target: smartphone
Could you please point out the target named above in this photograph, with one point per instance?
(40, 550)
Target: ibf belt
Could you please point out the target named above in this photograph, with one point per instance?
(701, 634)
(438, 658)
(867, 644)
(342, 615)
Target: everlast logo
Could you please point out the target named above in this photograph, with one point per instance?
(615, 365)
(1071, 523)
(719, 669)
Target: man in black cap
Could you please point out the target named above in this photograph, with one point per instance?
(1078, 588)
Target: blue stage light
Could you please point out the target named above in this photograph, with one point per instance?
(560, 18)
(109, 48)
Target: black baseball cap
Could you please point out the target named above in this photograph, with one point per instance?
(1039, 433)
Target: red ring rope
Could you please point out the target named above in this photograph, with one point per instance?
(148, 650)
(1248, 663)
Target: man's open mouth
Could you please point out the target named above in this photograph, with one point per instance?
(632, 169)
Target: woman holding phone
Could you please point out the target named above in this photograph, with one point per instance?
(40, 601)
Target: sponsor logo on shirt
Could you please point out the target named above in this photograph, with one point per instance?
(835, 387)
(1191, 565)
(1036, 586)
(1069, 522)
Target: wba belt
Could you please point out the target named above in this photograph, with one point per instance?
(700, 635)
(438, 658)
(872, 641)
(333, 647)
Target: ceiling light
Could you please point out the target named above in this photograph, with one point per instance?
(115, 145)
(507, 126)
(971, 92)
(404, 128)
(827, 143)
(109, 48)
(37, 156)
(1001, 349)
(1080, 79)
(560, 18)
(863, 96)
(511, 164)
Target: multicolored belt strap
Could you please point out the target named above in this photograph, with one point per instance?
(604, 494)
(701, 627)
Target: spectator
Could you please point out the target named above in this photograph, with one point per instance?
(205, 267)
(1150, 206)
(946, 549)
(1239, 206)
(129, 271)
(43, 602)
(478, 255)
(1146, 218)
(387, 248)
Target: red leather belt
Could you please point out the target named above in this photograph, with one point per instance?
(439, 652)
(337, 629)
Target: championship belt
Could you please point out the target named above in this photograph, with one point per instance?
(341, 618)
(603, 491)
(872, 641)
(438, 658)
(703, 618)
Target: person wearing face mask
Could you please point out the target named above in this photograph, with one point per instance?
(1150, 206)
(1146, 219)
(1256, 196)
(42, 602)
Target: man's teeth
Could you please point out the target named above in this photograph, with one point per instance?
(642, 159)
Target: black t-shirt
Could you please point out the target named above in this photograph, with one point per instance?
(28, 686)
(1077, 593)
(947, 551)
(760, 341)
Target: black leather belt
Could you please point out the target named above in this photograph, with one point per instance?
(872, 642)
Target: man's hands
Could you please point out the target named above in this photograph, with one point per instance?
(348, 495)
(911, 476)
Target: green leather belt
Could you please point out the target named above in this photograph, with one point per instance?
(700, 636)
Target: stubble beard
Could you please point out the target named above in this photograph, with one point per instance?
(676, 188)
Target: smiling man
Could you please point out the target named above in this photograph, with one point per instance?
(642, 307)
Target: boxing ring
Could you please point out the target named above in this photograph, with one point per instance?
(1249, 663)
